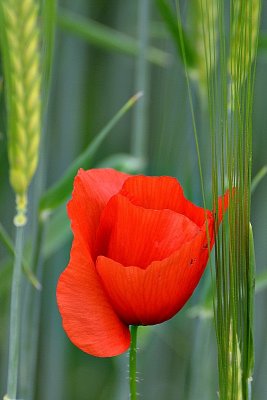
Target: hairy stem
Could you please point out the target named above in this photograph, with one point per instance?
(132, 363)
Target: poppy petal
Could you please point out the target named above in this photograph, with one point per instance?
(162, 192)
(88, 317)
(155, 294)
(137, 236)
(92, 190)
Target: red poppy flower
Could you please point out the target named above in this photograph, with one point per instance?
(139, 250)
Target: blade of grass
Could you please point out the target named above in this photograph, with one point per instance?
(107, 38)
(58, 193)
(48, 14)
(184, 46)
(7, 241)
(257, 179)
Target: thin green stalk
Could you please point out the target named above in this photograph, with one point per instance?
(31, 316)
(191, 105)
(132, 363)
(49, 14)
(139, 141)
(13, 361)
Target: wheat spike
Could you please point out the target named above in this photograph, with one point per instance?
(20, 41)
(205, 15)
(243, 46)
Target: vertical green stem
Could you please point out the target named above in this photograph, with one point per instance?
(132, 363)
(13, 361)
(31, 317)
(140, 121)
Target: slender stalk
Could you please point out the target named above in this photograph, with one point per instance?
(13, 361)
(139, 141)
(178, 11)
(31, 318)
(132, 363)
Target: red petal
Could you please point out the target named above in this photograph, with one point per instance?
(153, 295)
(92, 190)
(88, 318)
(162, 192)
(137, 236)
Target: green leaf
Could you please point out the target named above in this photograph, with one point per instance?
(107, 38)
(180, 37)
(7, 241)
(123, 162)
(257, 179)
(48, 14)
(59, 192)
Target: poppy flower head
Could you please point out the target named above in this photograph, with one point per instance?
(139, 250)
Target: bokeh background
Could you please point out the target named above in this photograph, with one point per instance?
(91, 80)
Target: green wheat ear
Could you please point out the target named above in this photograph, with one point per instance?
(204, 33)
(244, 13)
(20, 46)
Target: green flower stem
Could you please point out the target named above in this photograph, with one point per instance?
(132, 363)
(13, 361)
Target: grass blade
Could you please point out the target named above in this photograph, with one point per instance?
(7, 241)
(257, 179)
(48, 13)
(58, 193)
(179, 35)
(107, 38)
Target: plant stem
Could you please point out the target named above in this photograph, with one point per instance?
(132, 363)
(13, 361)
(31, 318)
(139, 140)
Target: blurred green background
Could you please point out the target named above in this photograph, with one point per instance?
(91, 80)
